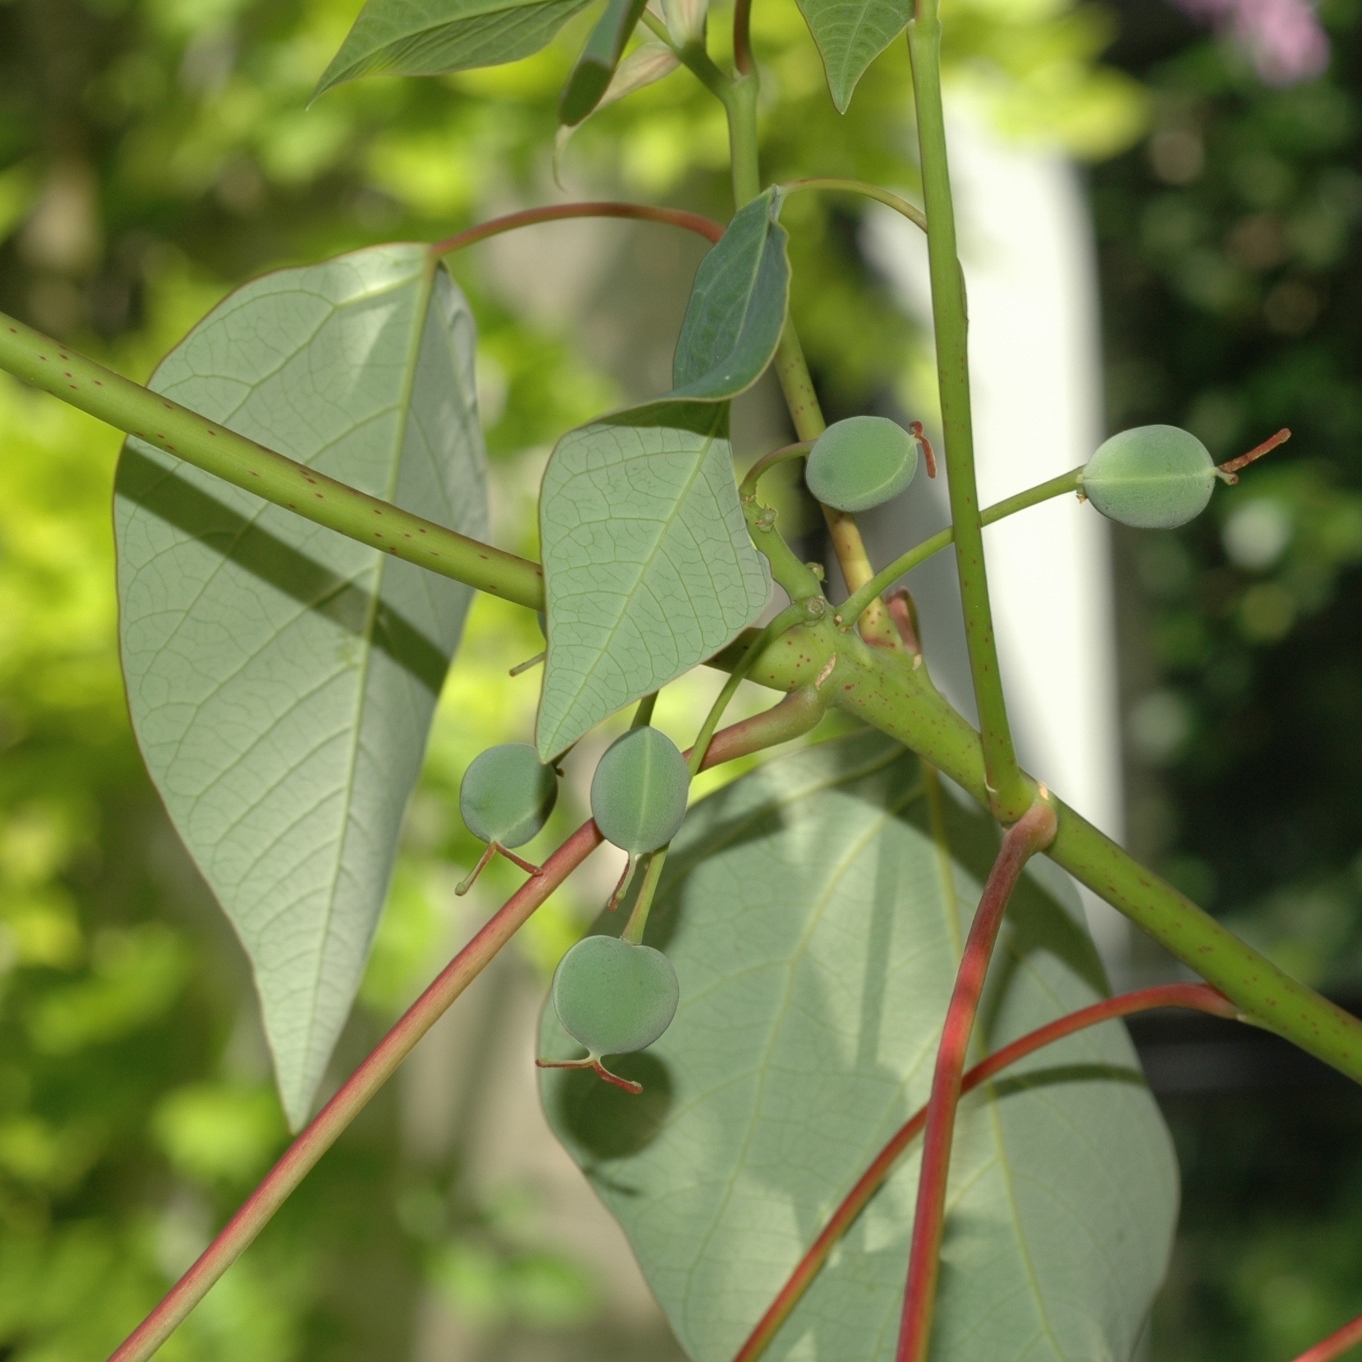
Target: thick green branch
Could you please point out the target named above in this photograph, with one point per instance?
(1009, 796)
(129, 407)
(882, 689)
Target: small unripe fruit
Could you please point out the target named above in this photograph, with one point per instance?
(614, 997)
(861, 462)
(507, 795)
(639, 791)
(1151, 477)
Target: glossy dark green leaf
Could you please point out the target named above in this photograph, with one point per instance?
(815, 932)
(431, 37)
(282, 678)
(850, 34)
(595, 68)
(648, 566)
(737, 306)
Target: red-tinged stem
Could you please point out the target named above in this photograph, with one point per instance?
(1200, 997)
(1032, 832)
(794, 715)
(558, 212)
(1257, 452)
(1349, 1336)
(305, 1151)
(742, 37)
(593, 1063)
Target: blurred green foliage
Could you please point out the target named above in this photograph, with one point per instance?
(1232, 276)
(153, 153)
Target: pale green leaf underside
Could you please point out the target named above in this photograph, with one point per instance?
(737, 306)
(281, 677)
(648, 567)
(850, 34)
(804, 911)
(431, 37)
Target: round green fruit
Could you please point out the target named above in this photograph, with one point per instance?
(861, 462)
(507, 795)
(1151, 477)
(614, 997)
(639, 791)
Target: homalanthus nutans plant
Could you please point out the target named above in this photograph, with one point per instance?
(805, 983)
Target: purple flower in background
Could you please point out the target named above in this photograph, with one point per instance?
(1283, 37)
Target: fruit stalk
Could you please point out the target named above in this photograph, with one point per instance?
(1029, 834)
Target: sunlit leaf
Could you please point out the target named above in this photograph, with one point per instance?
(431, 37)
(595, 68)
(850, 34)
(815, 939)
(281, 677)
(737, 306)
(648, 567)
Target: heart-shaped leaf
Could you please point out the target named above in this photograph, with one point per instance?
(281, 677)
(591, 77)
(648, 566)
(816, 938)
(431, 37)
(850, 34)
(737, 306)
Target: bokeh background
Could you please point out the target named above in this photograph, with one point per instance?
(154, 153)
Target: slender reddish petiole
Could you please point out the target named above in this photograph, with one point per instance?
(559, 212)
(794, 715)
(1200, 997)
(1034, 830)
(591, 1062)
(1230, 470)
(1336, 1344)
(928, 453)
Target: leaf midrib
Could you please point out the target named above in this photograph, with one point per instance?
(420, 312)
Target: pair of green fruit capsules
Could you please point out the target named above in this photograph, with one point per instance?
(612, 996)
(1151, 477)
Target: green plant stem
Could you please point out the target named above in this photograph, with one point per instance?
(747, 489)
(643, 902)
(693, 56)
(643, 715)
(796, 613)
(1034, 830)
(796, 578)
(850, 609)
(792, 717)
(741, 106)
(790, 366)
(911, 211)
(1338, 1343)
(876, 685)
(882, 689)
(129, 407)
(1009, 794)
(1199, 997)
